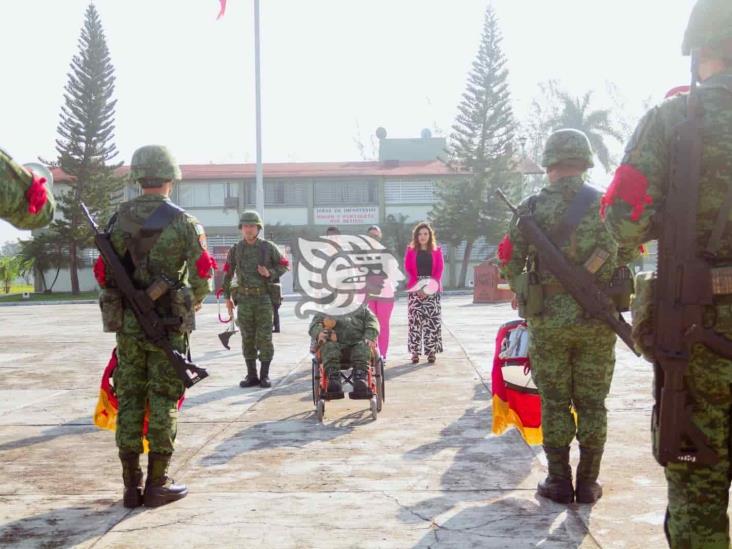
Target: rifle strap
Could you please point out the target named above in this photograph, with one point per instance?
(720, 224)
(263, 249)
(151, 230)
(577, 209)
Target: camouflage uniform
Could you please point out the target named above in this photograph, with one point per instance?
(144, 377)
(26, 200)
(572, 356)
(353, 331)
(252, 297)
(698, 496)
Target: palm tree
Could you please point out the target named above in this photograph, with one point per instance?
(576, 113)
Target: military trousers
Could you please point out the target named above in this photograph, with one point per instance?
(145, 378)
(254, 316)
(698, 496)
(335, 354)
(572, 367)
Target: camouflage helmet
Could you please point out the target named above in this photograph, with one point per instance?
(710, 26)
(250, 217)
(567, 144)
(153, 162)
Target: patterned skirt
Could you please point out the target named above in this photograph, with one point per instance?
(424, 315)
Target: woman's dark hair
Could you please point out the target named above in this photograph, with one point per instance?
(431, 243)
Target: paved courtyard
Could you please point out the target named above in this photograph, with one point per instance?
(262, 472)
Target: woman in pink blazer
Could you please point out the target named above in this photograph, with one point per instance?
(424, 264)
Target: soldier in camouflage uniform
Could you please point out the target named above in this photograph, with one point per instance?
(572, 356)
(257, 263)
(697, 495)
(354, 341)
(26, 200)
(157, 241)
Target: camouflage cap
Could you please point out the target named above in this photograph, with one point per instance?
(154, 162)
(250, 217)
(710, 26)
(567, 144)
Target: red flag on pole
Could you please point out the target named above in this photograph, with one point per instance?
(222, 11)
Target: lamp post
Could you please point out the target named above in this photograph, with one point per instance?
(259, 191)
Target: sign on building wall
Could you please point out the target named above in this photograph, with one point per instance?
(346, 215)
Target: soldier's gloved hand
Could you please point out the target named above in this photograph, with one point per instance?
(371, 344)
(264, 271)
(230, 307)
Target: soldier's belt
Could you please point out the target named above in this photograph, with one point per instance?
(721, 280)
(251, 291)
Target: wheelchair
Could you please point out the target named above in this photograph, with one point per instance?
(375, 380)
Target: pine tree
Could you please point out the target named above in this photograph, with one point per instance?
(481, 143)
(85, 145)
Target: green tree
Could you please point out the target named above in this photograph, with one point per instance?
(43, 253)
(396, 234)
(482, 145)
(11, 267)
(85, 145)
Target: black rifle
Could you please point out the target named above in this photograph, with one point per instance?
(577, 280)
(683, 290)
(143, 307)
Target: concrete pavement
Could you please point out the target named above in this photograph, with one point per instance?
(262, 472)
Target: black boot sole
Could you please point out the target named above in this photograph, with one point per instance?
(152, 501)
(247, 384)
(132, 500)
(565, 498)
(265, 384)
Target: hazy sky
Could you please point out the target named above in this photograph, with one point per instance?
(332, 69)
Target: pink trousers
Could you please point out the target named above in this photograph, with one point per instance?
(382, 310)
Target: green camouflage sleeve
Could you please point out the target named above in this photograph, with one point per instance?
(371, 325)
(26, 201)
(636, 192)
(199, 262)
(229, 268)
(279, 263)
(316, 325)
(513, 250)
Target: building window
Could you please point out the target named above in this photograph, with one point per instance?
(206, 194)
(283, 193)
(409, 192)
(346, 192)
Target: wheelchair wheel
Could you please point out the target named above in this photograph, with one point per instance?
(374, 405)
(380, 383)
(320, 410)
(316, 382)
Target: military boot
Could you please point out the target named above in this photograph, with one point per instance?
(558, 484)
(335, 389)
(264, 374)
(251, 380)
(132, 477)
(360, 385)
(588, 489)
(159, 488)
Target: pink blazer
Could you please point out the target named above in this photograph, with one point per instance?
(410, 265)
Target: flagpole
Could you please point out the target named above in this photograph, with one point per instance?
(258, 86)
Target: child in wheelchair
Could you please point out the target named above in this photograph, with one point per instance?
(346, 341)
